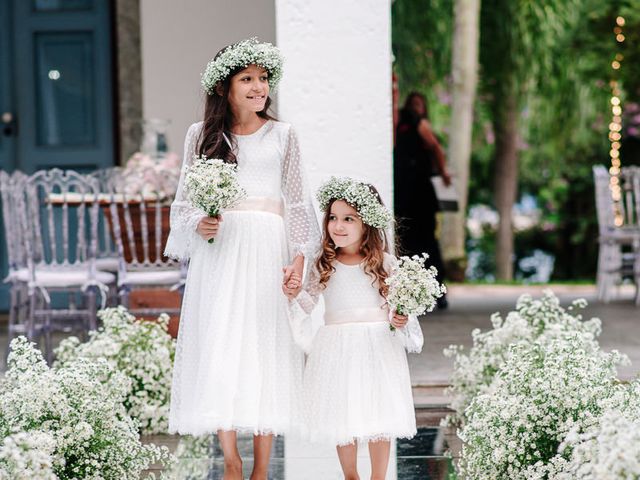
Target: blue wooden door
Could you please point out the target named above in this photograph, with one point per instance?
(56, 88)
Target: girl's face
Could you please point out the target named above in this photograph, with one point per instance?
(345, 225)
(249, 89)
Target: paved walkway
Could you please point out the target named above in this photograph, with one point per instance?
(471, 307)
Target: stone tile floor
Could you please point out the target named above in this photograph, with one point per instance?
(420, 458)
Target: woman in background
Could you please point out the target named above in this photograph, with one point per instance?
(417, 157)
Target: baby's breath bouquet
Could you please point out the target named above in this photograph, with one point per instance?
(212, 185)
(413, 289)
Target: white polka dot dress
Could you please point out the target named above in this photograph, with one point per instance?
(236, 366)
(356, 381)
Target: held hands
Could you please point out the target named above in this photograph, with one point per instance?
(293, 285)
(292, 277)
(399, 321)
(208, 227)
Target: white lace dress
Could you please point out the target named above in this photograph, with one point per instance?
(236, 365)
(356, 380)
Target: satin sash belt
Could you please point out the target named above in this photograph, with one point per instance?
(259, 204)
(357, 315)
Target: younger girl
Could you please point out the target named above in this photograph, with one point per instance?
(356, 383)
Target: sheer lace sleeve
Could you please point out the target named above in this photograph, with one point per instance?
(303, 232)
(308, 297)
(184, 218)
(411, 334)
(412, 337)
(301, 307)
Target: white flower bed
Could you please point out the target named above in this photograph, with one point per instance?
(544, 390)
(68, 422)
(541, 319)
(141, 350)
(536, 398)
(610, 448)
(28, 456)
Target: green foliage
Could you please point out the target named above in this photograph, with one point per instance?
(556, 55)
(422, 34)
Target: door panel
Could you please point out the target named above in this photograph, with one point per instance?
(65, 107)
(56, 89)
(65, 89)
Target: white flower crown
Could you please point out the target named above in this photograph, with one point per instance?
(357, 194)
(242, 54)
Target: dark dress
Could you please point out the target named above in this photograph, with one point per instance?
(415, 201)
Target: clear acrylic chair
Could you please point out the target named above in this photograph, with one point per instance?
(618, 238)
(59, 218)
(107, 254)
(630, 179)
(10, 184)
(139, 215)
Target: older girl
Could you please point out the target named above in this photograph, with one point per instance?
(236, 367)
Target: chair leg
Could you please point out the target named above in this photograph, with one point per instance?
(602, 276)
(13, 317)
(112, 297)
(124, 297)
(92, 309)
(23, 305)
(72, 301)
(31, 317)
(48, 348)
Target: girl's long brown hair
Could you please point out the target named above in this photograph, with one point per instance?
(374, 245)
(218, 118)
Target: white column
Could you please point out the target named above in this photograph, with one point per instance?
(336, 88)
(336, 91)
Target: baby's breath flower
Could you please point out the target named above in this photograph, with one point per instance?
(359, 196)
(212, 185)
(413, 289)
(68, 422)
(545, 391)
(143, 351)
(541, 318)
(242, 54)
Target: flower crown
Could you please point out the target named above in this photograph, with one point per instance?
(240, 55)
(357, 194)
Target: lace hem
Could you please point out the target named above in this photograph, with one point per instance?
(183, 236)
(243, 430)
(378, 437)
(412, 338)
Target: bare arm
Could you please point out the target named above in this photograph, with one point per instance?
(431, 142)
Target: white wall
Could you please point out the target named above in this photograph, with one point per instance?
(178, 39)
(336, 88)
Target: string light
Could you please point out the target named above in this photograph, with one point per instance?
(615, 127)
